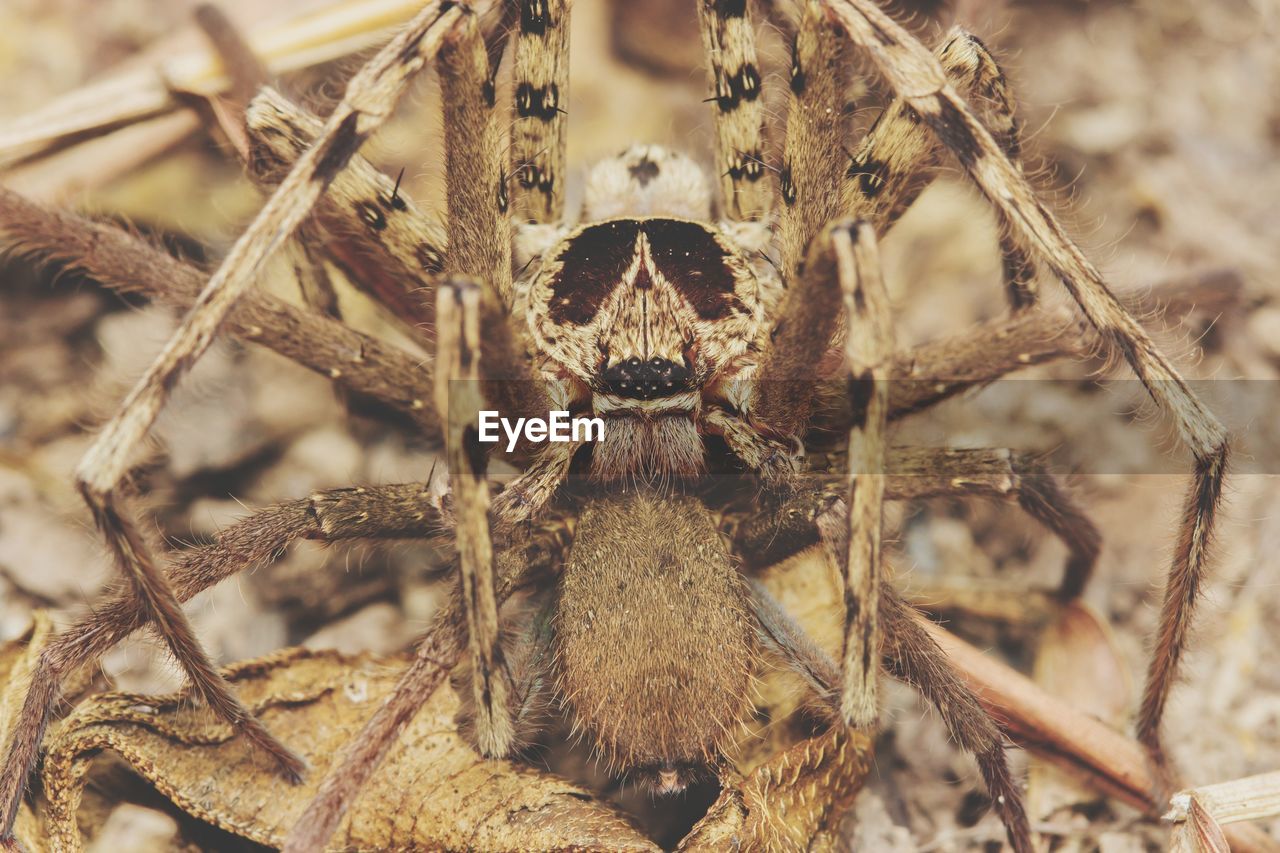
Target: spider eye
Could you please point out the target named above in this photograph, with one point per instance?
(646, 380)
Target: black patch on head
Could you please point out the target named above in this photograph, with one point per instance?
(591, 266)
(542, 102)
(949, 123)
(489, 91)
(689, 257)
(535, 17)
(429, 258)
(503, 200)
(644, 171)
(341, 148)
(370, 214)
(731, 8)
(870, 176)
(786, 185)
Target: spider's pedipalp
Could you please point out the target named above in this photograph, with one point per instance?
(647, 180)
(540, 68)
(916, 76)
(728, 39)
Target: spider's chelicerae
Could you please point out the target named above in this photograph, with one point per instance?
(695, 322)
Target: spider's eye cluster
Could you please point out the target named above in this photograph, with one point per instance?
(645, 380)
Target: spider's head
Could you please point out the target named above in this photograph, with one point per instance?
(645, 313)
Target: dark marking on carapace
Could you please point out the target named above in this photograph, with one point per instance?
(643, 281)
(690, 257)
(852, 606)
(592, 264)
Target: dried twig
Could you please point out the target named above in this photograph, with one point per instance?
(337, 30)
(1075, 741)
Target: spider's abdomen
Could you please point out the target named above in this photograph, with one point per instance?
(654, 647)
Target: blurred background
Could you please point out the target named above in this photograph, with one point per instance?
(1154, 127)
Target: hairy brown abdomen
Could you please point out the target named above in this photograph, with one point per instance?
(654, 648)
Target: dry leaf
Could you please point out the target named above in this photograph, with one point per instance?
(1077, 660)
(433, 791)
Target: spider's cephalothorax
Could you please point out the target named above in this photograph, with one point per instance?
(644, 313)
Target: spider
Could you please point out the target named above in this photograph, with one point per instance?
(696, 323)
